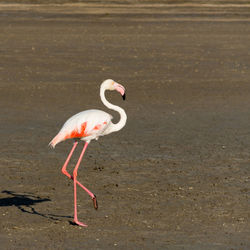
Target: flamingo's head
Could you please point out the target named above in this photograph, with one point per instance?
(112, 85)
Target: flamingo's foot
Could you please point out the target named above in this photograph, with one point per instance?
(95, 202)
(80, 223)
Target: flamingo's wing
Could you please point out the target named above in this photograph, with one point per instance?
(90, 123)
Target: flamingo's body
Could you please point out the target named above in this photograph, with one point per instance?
(88, 125)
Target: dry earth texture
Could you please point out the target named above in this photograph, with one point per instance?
(177, 176)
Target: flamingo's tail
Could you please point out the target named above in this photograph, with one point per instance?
(55, 140)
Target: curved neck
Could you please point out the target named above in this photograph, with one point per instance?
(123, 116)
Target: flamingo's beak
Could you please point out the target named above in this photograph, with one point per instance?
(124, 97)
(120, 89)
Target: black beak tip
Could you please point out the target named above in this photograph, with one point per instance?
(124, 97)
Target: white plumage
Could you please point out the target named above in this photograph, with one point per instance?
(86, 125)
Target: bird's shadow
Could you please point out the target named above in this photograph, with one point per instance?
(25, 202)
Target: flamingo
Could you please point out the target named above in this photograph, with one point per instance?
(86, 126)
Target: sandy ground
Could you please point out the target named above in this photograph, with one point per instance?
(177, 176)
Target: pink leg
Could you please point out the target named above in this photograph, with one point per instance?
(75, 182)
(64, 171)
